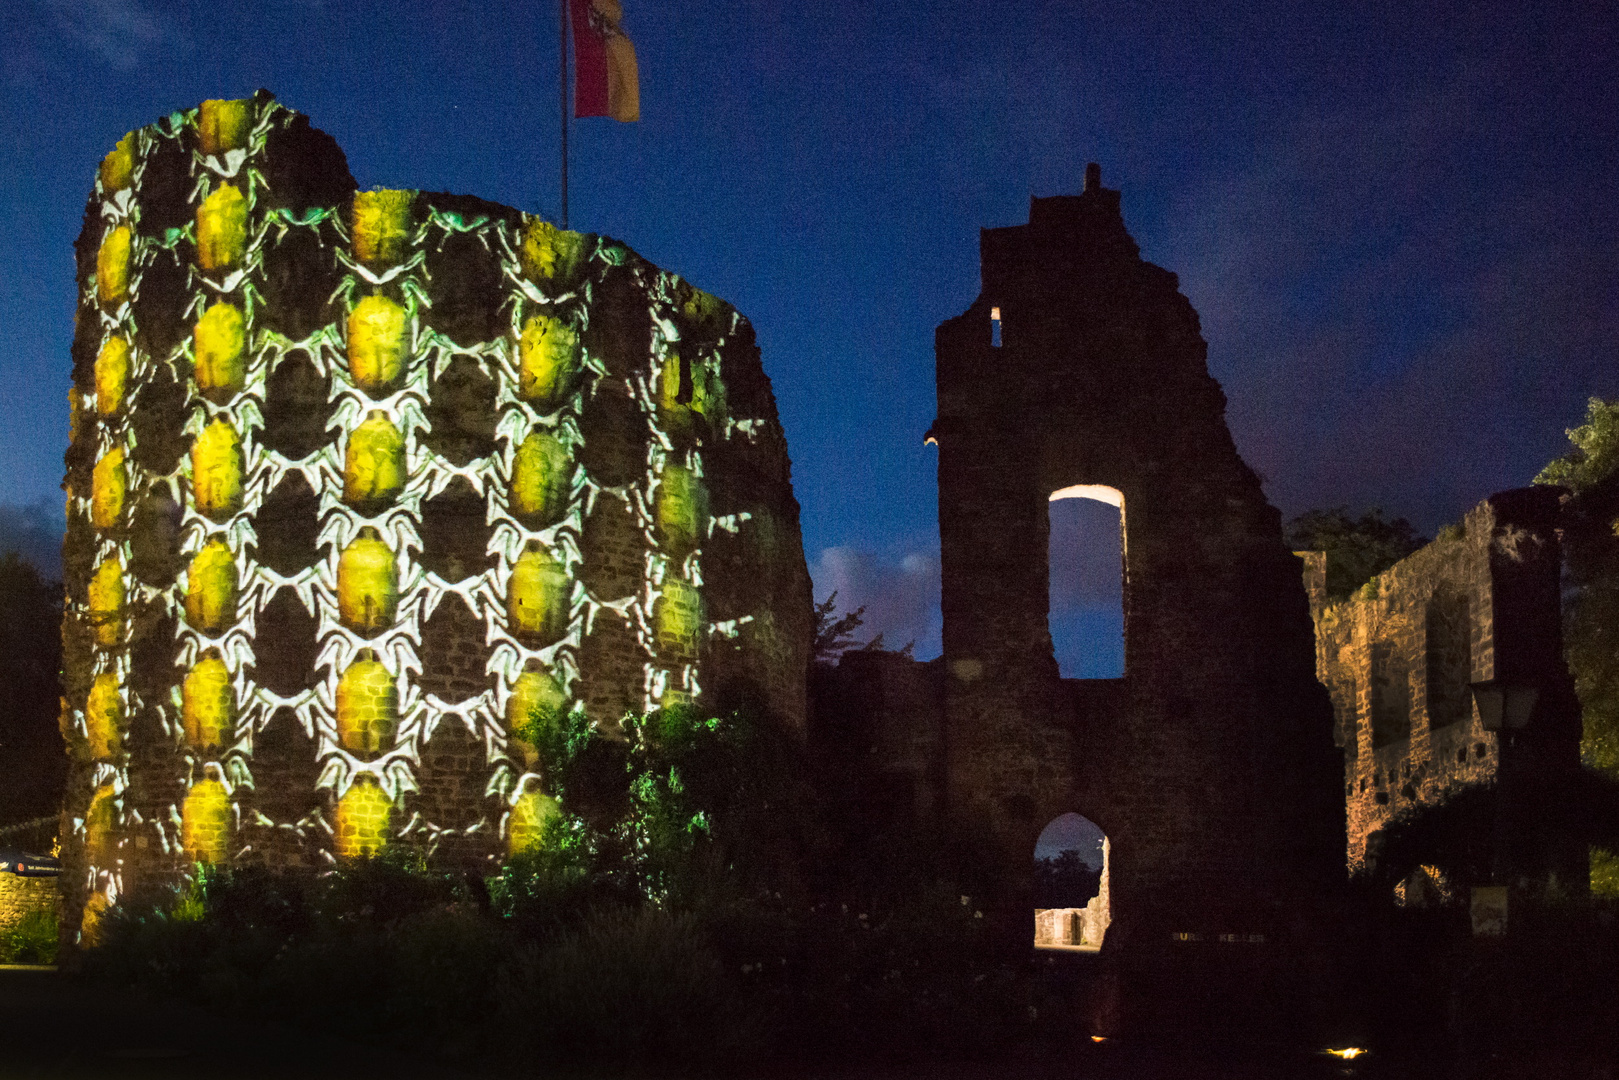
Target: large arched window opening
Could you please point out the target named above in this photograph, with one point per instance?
(1086, 581)
(1071, 901)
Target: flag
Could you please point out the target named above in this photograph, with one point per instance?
(606, 81)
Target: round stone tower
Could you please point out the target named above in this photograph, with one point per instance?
(358, 480)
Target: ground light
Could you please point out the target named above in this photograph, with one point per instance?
(1348, 1053)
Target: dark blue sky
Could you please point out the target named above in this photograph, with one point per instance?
(1398, 221)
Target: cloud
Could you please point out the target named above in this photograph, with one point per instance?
(118, 30)
(34, 532)
(900, 595)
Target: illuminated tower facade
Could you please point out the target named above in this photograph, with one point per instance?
(359, 480)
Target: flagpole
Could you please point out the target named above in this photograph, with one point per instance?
(562, 95)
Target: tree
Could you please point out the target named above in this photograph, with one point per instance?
(834, 634)
(33, 767)
(1590, 471)
(1358, 549)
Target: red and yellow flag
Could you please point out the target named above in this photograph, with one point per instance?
(606, 80)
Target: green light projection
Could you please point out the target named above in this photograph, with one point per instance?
(368, 591)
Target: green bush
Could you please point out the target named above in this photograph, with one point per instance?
(30, 940)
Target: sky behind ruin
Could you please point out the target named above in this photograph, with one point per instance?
(1397, 221)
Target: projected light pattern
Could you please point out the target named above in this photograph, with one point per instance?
(411, 413)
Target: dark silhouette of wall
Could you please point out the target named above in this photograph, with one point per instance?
(1210, 764)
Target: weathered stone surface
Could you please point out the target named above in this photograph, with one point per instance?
(300, 416)
(1478, 606)
(1209, 765)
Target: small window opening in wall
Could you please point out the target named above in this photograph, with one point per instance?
(1072, 906)
(995, 327)
(1086, 581)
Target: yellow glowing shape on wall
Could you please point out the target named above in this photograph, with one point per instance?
(112, 375)
(707, 392)
(534, 692)
(216, 471)
(95, 909)
(367, 584)
(208, 703)
(381, 224)
(106, 602)
(112, 267)
(680, 510)
(118, 167)
(526, 826)
(549, 253)
(75, 423)
(367, 706)
(211, 583)
(221, 228)
(101, 826)
(679, 618)
(364, 816)
(377, 333)
(542, 479)
(109, 484)
(104, 718)
(219, 340)
(669, 384)
(702, 308)
(374, 464)
(224, 125)
(540, 595)
(205, 822)
(548, 361)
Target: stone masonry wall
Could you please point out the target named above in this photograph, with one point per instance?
(358, 480)
(1210, 764)
(1478, 605)
(20, 895)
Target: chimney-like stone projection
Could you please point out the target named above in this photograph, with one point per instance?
(359, 479)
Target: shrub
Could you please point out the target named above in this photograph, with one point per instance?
(30, 940)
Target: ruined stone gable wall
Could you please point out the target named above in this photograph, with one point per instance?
(358, 480)
(1479, 604)
(1207, 764)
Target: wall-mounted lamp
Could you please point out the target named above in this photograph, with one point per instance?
(1504, 705)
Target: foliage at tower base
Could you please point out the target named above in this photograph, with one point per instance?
(682, 901)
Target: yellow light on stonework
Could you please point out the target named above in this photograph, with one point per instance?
(367, 706)
(224, 125)
(106, 602)
(679, 619)
(205, 822)
(540, 594)
(75, 421)
(112, 267)
(534, 691)
(221, 228)
(550, 254)
(548, 361)
(680, 510)
(381, 225)
(374, 463)
(95, 910)
(367, 584)
(109, 484)
(377, 345)
(118, 167)
(104, 718)
(101, 827)
(208, 703)
(112, 375)
(542, 479)
(219, 343)
(363, 820)
(526, 826)
(211, 584)
(216, 471)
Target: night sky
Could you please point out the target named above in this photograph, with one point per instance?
(1397, 221)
